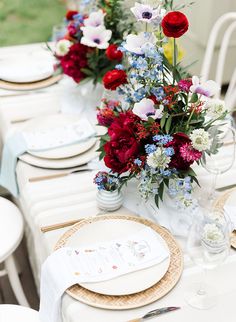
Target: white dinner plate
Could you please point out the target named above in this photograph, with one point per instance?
(66, 163)
(57, 120)
(25, 68)
(105, 230)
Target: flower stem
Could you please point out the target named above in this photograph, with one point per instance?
(174, 59)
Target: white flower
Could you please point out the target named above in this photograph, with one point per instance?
(96, 37)
(215, 107)
(200, 139)
(95, 19)
(145, 109)
(63, 47)
(212, 233)
(208, 88)
(158, 159)
(145, 12)
(134, 43)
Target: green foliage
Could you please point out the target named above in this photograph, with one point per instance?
(117, 19)
(28, 21)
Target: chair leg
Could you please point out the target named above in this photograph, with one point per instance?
(11, 269)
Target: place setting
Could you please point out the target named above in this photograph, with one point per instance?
(116, 250)
(28, 72)
(56, 142)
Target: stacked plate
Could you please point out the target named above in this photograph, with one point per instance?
(27, 71)
(63, 157)
(134, 289)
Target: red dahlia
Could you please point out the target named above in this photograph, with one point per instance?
(74, 60)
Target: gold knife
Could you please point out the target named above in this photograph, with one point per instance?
(154, 313)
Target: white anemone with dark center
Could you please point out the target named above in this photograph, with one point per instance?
(145, 12)
(96, 37)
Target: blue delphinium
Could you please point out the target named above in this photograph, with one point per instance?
(162, 139)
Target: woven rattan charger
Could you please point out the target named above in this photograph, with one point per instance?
(145, 297)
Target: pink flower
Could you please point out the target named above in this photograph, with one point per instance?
(185, 84)
(188, 153)
(105, 116)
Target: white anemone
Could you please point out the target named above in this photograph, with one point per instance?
(208, 88)
(96, 37)
(95, 19)
(145, 12)
(135, 43)
(145, 109)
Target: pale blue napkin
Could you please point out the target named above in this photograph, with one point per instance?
(13, 148)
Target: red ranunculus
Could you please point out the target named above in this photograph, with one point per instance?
(113, 53)
(74, 60)
(70, 14)
(114, 78)
(179, 140)
(123, 146)
(175, 24)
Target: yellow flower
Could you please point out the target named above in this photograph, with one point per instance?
(169, 48)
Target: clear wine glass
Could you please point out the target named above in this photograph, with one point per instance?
(208, 245)
(223, 160)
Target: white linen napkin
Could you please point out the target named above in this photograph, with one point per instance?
(95, 263)
(56, 137)
(231, 212)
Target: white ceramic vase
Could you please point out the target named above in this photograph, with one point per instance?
(109, 200)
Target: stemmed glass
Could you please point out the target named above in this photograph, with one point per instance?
(208, 245)
(223, 160)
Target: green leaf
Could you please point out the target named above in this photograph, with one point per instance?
(168, 124)
(157, 200)
(194, 98)
(196, 180)
(191, 172)
(163, 120)
(161, 190)
(87, 71)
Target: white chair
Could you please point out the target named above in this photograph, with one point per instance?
(17, 313)
(230, 18)
(11, 233)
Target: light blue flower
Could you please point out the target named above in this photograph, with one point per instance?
(158, 92)
(119, 67)
(162, 139)
(169, 151)
(165, 173)
(138, 162)
(150, 148)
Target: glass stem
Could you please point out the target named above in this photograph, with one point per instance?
(201, 291)
(213, 187)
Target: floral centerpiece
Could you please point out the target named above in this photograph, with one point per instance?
(165, 120)
(89, 47)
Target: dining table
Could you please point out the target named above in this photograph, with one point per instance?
(62, 198)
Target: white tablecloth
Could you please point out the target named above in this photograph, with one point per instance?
(73, 197)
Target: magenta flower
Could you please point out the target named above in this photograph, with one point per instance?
(185, 84)
(188, 153)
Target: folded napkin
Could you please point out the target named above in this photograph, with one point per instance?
(231, 213)
(95, 263)
(22, 142)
